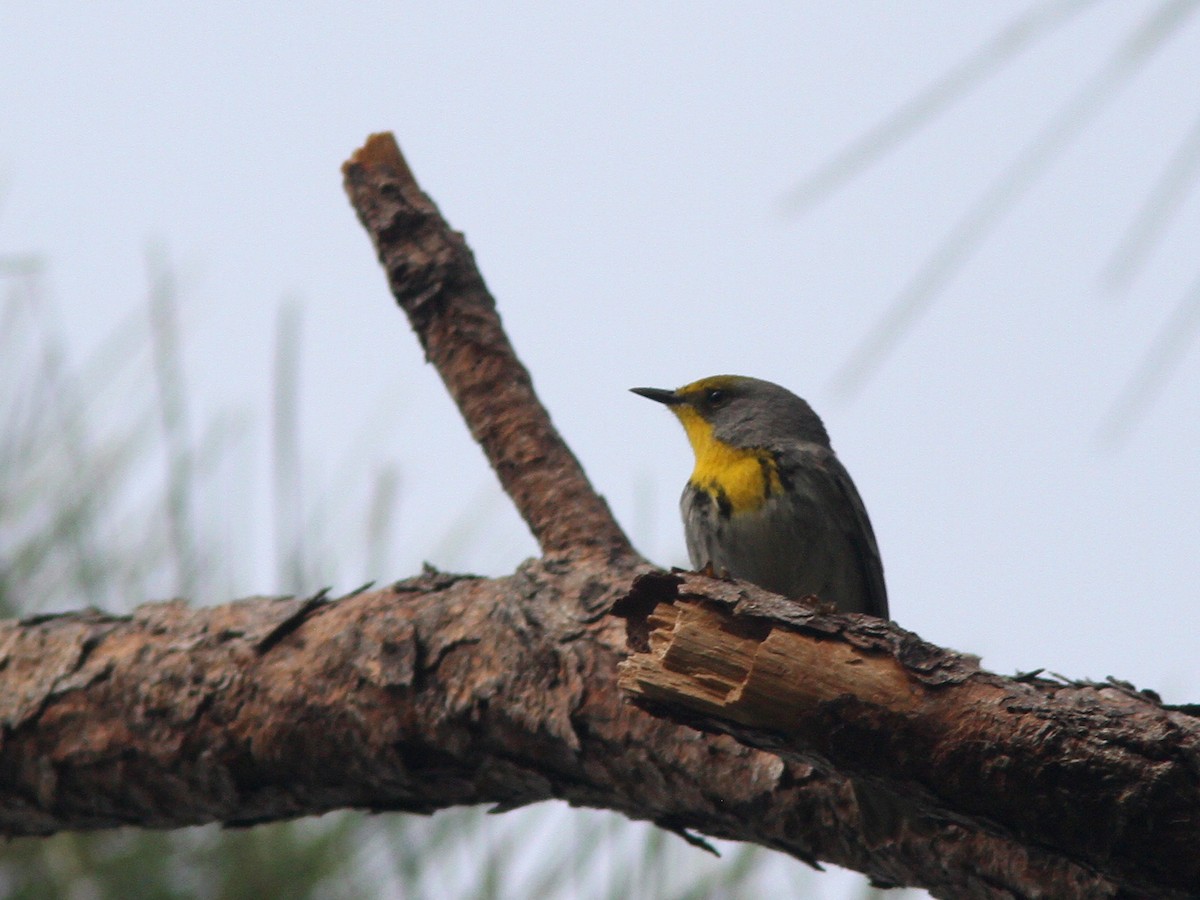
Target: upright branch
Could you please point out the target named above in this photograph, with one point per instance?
(433, 277)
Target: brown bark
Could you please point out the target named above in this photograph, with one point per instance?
(433, 277)
(1102, 773)
(437, 692)
(447, 690)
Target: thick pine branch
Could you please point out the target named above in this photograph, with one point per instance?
(1102, 772)
(440, 691)
(444, 690)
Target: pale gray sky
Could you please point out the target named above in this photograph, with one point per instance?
(620, 172)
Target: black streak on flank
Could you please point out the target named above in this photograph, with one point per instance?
(724, 507)
(767, 467)
(785, 483)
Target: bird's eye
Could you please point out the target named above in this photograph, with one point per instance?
(714, 397)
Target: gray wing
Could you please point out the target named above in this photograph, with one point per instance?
(817, 472)
(702, 528)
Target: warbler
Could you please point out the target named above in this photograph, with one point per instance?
(768, 500)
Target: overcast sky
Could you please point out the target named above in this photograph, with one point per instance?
(622, 174)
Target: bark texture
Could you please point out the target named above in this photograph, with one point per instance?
(433, 277)
(1101, 772)
(445, 690)
(439, 691)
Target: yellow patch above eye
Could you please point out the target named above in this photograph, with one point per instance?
(744, 477)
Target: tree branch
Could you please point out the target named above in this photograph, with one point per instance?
(438, 692)
(1101, 772)
(447, 690)
(433, 276)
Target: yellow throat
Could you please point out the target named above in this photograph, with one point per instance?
(743, 477)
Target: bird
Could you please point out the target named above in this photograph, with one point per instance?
(768, 500)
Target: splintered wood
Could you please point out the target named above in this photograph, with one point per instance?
(746, 671)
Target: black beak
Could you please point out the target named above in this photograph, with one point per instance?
(658, 394)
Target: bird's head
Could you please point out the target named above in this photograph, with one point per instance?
(740, 412)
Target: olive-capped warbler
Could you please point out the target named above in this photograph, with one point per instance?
(768, 500)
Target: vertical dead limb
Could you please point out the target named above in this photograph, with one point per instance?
(433, 277)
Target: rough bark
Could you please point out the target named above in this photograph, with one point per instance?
(444, 690)
(433, 277)
(437, 692)
(1102, 773)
